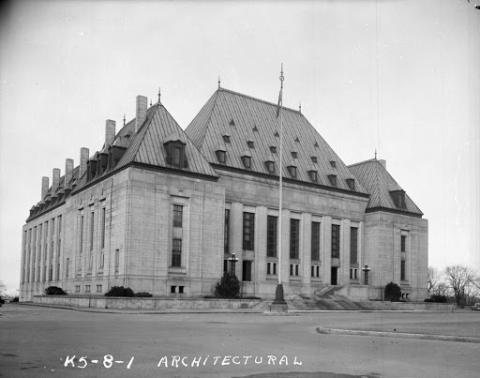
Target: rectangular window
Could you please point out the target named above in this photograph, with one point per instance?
(294, 238)
(180, 289)
(177, 252)
(173, 289)
(99, 288)
(315, 241)
(103, 228)
(67, 267)
(117, 260)
(268, 269)
(403, 240)
(402, 270)
(226, 230)
(248, 231)
(272, 236)
(247, 270)
(353, 245)
(81, 234)
(335, 241)
(77, 288)
(92, 228)
(177, 215)
(87, 289)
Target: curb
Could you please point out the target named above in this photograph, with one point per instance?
(421, 336)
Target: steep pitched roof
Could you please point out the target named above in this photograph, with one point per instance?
(234, 121)
(379, 183)
(147, 146)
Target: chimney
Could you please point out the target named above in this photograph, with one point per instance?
(109, 132)
(68, 171)
(55, 178)
(383, 162)
(45, 186)
(83, 160)
(141, 112)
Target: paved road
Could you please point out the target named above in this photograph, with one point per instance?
(34, 342)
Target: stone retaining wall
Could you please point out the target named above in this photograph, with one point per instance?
(153, 303)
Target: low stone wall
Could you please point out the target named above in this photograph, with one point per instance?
(408, 306)
(148, 304)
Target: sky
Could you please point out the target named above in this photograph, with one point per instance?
(398, 76)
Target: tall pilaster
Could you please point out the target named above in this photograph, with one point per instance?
(260, 244)
(344, 270)
(326, 248)
(236, 234)
(306, 251)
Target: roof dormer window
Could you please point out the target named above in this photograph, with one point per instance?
(270, 165)
(250, 144)
(398, 197)
(292, 171)
(276, 134)
(176, 153)
(313, 174)
(273, 149)
(350, 183)
(333, 180)
(247, 161)
(315, 145)
(294, 154)
(232, 122)
(221, 156)
(226, 138)
(333, 163)
(297, 140)
(314, 159)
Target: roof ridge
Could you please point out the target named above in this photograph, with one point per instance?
(257, 99)
(363, 162)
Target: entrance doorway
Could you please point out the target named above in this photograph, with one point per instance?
(333, 275)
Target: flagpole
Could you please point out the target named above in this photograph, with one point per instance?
(279, 298)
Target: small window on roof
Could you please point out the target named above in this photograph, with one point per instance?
(315, 145)
(313, 174)
(247, 161)
(250, 144)
(176, 154)
(221, 156)
(297, 140)
(292, 170)
(226, 138)
(273, 149)
(294, 154)
(333, 180)
(351, 183)
(314, 159)
(255, 128)
(398, 197)
(276, 134)
(232, 122)
(270, 165)
(333, 163)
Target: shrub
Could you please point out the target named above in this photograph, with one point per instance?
(14, 300)
(54, 290)
(228, 287)
(143, 294)
(437, 298)
(392, 292)
(120, 291)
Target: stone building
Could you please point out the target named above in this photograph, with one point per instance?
(162, 210)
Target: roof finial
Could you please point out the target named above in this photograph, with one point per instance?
(159, 96)
(150, 102)
(375, 154)
(300, 107)
(124, 119)
(282, 78)
(219, 82)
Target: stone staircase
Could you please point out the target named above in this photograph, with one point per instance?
(325, 298)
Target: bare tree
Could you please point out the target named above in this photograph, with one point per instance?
(433, 280)
(460, 280)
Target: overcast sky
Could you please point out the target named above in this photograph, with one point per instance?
(398, 76)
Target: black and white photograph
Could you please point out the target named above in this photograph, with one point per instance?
(240, 189)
